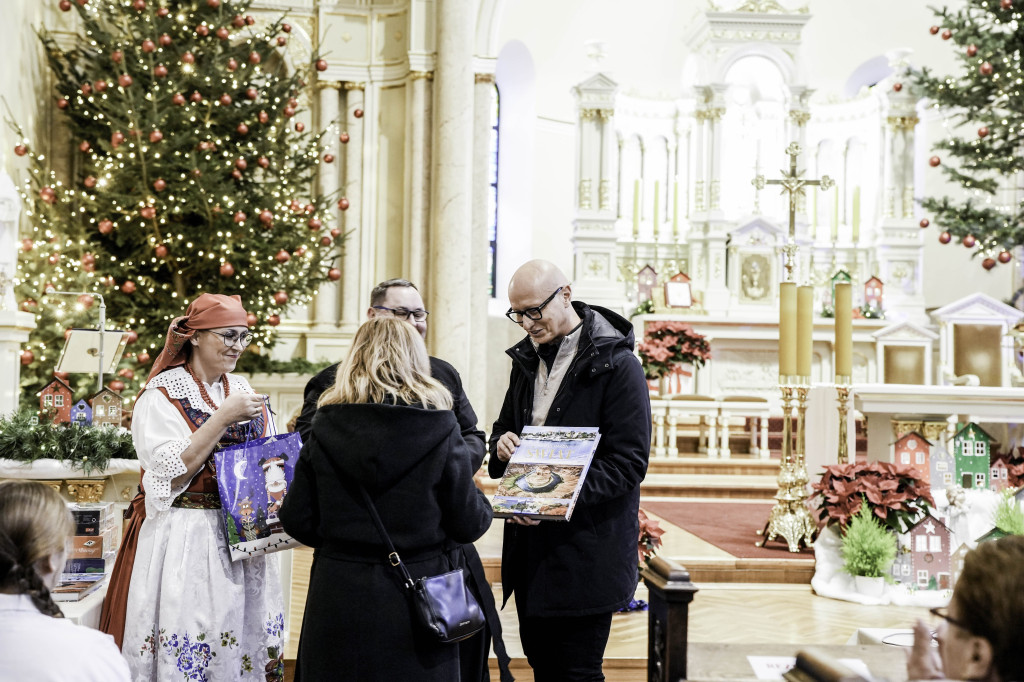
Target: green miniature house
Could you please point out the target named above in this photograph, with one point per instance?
(971, 450)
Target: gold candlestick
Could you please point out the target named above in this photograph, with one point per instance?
(843, 389)
(790, 518)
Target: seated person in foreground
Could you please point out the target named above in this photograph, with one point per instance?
(980, 634)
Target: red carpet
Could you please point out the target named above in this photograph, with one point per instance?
(729, 526)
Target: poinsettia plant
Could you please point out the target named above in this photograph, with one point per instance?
(895, 493)
(667, 344)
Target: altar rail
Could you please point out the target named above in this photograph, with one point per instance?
(714, 419)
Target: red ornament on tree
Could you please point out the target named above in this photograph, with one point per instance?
(947, 34)
(301, 251)
(223, 33)
(139, 5)
(124, 80)
(263, 118)
(309, 208)
(985, 69)
(105, 227)
(20, 150)
(249, 20)
(27, 357)
(933, 30)
(238, 21)
(225, 99)
(26, 245)
(196, 97)
(241, 164)
(293, 103)
(321, 65)
(232, 64)
(240, 217)
(335, 232)
(28, 305)
(251, 319)
(1004, 257)
(163, 12)
(969, 241)
(100, 85)
(142, 357)
(85, 300)
(897, 87)
(156, 136)
(1006, 4)
(251, 93)
(47, 194)
(358, 113)
(328, 158)
(86, 89)
(300, 126)
(128, 287)
(325, 241)
(178, 99)
(188, 58)
(116, 138)
(62, 103)
(343, 204)
(314, 224)
(263, 162)
(266, 217)
(281, 297)
(226, 269)
(334, 274)
(934, 161)
(281, 41)
(159, 184)
(288, 112)
(983, 131)
(282, 256)
(65, 5)
(274, 320)
(165, 39)
(133, 336)
(148, 212)
(116, 56)
(924, 223)
(148, 45)
(160, 251)
(126, 373)
(236, 174)
(213, 3)
(972, 50)
(988, 263)
(344, 138)
(84, 146)
(116, 385)
(53, 259)
(287, 28)
(254, 58)
(945, 237)
(160, 71)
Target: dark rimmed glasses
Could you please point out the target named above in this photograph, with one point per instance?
(231, 338)
(943, 613)
(418, 315)
(535, 313)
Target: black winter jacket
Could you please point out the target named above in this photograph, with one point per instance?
(588, 565)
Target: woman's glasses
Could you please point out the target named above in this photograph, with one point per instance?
(231, 338)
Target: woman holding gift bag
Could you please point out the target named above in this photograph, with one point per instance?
(177, 604)
(386, 427)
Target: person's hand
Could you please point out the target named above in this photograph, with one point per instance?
(240, 407)
(507, 444)
(923, 662)
(522, 521)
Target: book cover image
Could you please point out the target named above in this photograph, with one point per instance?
(544, 476)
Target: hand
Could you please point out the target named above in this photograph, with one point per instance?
(240, 407)
(507, 444)
(923, 662)
(522, 521)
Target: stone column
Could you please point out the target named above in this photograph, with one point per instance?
(326, 309)
(483, 94)
(450, 279)
(420, 113)
(352, 305)
(14, 324)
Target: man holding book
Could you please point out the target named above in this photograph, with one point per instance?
(575, 368)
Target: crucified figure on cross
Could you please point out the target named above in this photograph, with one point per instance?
(792, 183)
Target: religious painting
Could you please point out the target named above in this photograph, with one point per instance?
(755, 279)
(677, 291)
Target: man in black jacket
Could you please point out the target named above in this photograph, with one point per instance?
(400, 298)
(575, 368)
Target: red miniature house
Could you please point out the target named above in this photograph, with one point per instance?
(914, 450)
(55, 401)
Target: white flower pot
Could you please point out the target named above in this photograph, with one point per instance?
(869, 587)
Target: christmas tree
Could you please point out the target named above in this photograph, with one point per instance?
(986, 107)
(190, 174)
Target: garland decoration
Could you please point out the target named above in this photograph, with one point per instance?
(87, 448)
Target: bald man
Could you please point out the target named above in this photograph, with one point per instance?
(574, 368)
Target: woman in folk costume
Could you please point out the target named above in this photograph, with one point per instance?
(189, 612)
(388, 426)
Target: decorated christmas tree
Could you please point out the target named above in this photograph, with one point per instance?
(985, 109)
(190, 174)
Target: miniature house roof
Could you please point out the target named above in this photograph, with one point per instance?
(913, 434)
(55, 380)
(874, 279)
(939, 525)
(978, 307)
(974, 427)
(841, 276)
(904, 331)
(105, 391)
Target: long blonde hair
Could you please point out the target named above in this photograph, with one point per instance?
(388, 361)
(34, 524)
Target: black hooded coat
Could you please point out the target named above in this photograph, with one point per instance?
(417, 469)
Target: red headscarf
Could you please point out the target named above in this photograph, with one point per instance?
(209, 311)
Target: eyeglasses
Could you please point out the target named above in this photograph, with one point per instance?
(418, 315)
(532, 313)
(943, 613)
(231, 338)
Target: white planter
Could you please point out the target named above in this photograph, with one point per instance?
(869, 587)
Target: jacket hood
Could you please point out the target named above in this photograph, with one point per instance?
(604, 329)
(378, 444)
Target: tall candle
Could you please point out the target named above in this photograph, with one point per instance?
(856, 214)
(657, 208)
(636, 209)
(835, 216)
(675, 209)
(844, 330)
(787, 329)
(804, 329)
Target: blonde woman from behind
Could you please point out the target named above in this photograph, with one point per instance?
(38, 644)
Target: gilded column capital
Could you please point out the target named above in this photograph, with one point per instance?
(799, 117)
(483, 78)
(421, 75)
(903, 122)
(328, 85)
(352, 85)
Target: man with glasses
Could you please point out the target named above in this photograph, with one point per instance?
(400, 298)
(574, 368)
(979, 633)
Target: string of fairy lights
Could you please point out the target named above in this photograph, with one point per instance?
(191, 172)
(983, 118)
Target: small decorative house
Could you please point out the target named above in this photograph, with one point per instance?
(941, 468)
(914, 450)
(971, 449)
(873, 298)
(106, 406)
(646, 280)
(956, 560)
(81, 414)
(999, 475)
(55, 401)
(930, 551)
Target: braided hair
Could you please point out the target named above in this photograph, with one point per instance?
(34, 525)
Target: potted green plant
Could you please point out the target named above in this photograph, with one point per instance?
(868, 551)
(668, 345)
